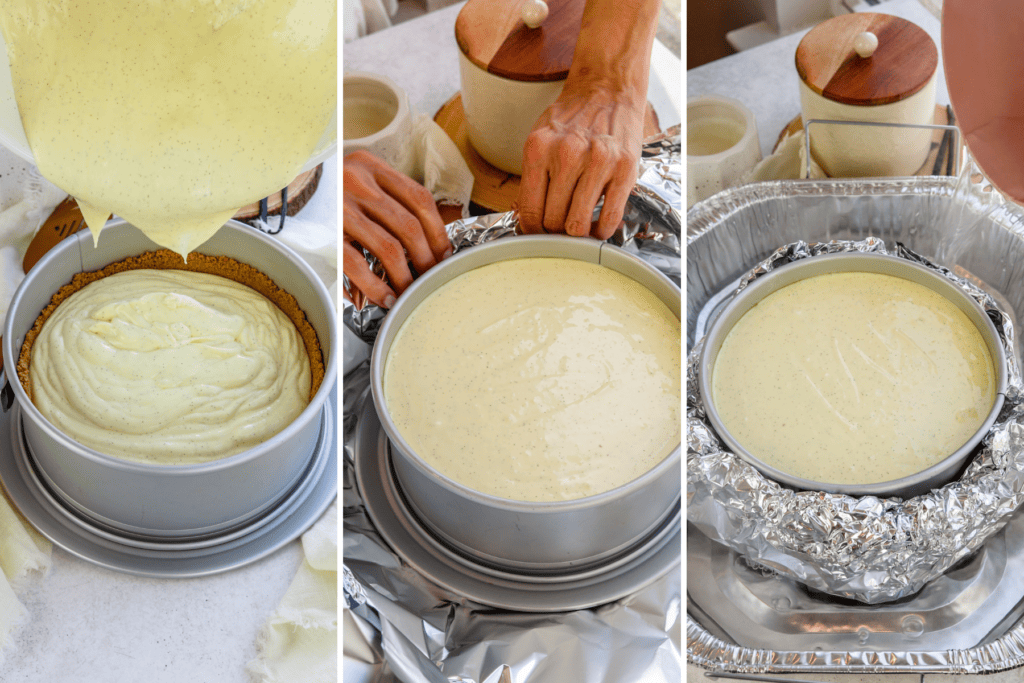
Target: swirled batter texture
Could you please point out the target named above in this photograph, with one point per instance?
(169, 367)
(538, 379)
(172, 113)
(853, 378)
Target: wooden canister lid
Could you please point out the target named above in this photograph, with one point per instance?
(492, 35)
(903, 62)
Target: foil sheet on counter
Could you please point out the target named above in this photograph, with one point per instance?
(399, 623)
(651, 228)
(878, 548)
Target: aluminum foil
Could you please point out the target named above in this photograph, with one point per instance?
(407, 627)
(398, 624)
(651, 228)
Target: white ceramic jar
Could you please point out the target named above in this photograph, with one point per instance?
(874, 68)
(501, 112)
(511, 72)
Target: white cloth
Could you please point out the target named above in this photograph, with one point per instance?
(300, 640)
(26, 199)
(787, 162)
(23, 553)
(431, 158)
(316, 243)
(438, 164)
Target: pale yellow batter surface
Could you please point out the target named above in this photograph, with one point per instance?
(174, 113)
(538, 379)
(169, 367)
(853, 378)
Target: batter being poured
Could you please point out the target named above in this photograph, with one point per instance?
(172, 114)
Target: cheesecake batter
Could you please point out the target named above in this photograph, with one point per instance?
(853, 378)
(169, 367)
(172, 114)
(539, 379)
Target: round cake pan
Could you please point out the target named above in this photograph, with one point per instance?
(176, 501)
(942, 472)
(528, 536)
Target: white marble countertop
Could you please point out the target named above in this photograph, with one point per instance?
(765, 80)
(87, 624)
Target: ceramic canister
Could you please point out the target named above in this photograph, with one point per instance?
(872, 68)
(510, 73)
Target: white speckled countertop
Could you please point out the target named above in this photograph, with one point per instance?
(87, 624)
(765, 80)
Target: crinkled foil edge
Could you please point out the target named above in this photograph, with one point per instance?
(864, 548)
(651, 228)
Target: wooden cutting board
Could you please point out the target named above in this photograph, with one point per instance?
(299, 192)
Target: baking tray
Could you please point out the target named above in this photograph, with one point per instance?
(109, 548)
(958, 223)
(410, 538)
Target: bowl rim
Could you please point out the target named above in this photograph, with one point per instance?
(430, 280)
(308, 413)
(402, 110)
(749, 127)
(756, 291)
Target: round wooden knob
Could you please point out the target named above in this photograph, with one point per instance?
(534, 13)
(865, 44)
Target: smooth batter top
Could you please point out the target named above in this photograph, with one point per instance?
(172, 113)
(853, 378)
(169, 367)
(539, 379)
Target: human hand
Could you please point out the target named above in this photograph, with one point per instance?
(585, 145)
(395, 219)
